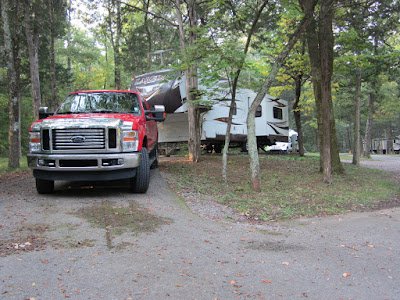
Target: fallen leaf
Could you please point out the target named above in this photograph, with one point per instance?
(267, 281)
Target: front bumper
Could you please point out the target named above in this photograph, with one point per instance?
(77, 167)
(83, 162)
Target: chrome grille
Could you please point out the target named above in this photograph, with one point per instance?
(79, 139)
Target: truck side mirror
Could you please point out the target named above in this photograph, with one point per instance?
(44, 112)
(158, 113)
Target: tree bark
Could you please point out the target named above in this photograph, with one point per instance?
(297, 115)
(69, 12)
(114, 17)
(234, 87)
(146, 4)
(326, 50)
(357, 105)
(194, 142)
(320, 45)
(53, 82)
(117, 47)
(251, 126)
(368, 127)
(32, 38)
(14, 97)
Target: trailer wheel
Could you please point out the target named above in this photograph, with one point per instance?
(218, 148)
(44, 186)
(140, 183)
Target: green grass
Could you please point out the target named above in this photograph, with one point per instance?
(291, 186)
(5, 169)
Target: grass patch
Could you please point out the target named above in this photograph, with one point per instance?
(5, 169)
(292, 187)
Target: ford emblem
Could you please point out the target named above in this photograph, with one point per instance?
(78, 139)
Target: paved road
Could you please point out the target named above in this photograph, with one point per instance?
(384, 162)
(353, 256)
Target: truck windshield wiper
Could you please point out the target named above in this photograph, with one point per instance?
(104, 111)
(71, 112)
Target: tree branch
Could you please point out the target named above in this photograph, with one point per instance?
(149, 12)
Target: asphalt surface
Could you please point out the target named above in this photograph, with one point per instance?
(352, 256)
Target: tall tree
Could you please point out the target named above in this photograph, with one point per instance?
(31, 21)
(191, 78)
(53, 81)
(13, 60)
(251, 126)
(115, 29)
(320, 45)
(357, 119)
(236, 76)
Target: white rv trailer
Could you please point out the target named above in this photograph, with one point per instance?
(272, 116)
(385, 146)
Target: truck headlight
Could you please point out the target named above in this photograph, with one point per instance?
(130, 141)
(34, 142)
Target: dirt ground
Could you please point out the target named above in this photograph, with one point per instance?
(50, 251)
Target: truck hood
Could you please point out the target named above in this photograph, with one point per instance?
(89, 120)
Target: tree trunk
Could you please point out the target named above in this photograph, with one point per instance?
(117, 50)
(357, 104)
(234, 87)
(368, 127)
(32, 38)
(228, 133)
(297, 116)
(12, 63)
(251, 124)
(326, 50)
(53, 83)
(194, 142)
(320, 45)
(146, 4)
(69, 12)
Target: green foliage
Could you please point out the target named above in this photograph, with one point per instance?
(366, 37)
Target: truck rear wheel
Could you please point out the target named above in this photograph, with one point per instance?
(44, 186)
(140, 183)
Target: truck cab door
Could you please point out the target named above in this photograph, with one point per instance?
(151, 129)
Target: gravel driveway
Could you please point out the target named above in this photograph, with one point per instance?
(389, 163)
(48, 252)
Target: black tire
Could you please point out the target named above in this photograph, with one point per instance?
(218, 148)
(140, 183)
(154, 165)
(44, 186)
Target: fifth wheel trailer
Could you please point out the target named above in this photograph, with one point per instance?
(167, 87)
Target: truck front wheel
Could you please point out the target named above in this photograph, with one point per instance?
(44, 186)
(140, 183)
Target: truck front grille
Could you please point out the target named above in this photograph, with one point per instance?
(79, 139)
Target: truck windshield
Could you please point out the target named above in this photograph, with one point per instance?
(101, 102)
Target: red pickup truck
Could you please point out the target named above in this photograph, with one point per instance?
(96, 136)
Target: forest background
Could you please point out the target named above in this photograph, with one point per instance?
(102, 44)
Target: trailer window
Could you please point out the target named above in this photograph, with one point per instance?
(259, 111)
(278, 113)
